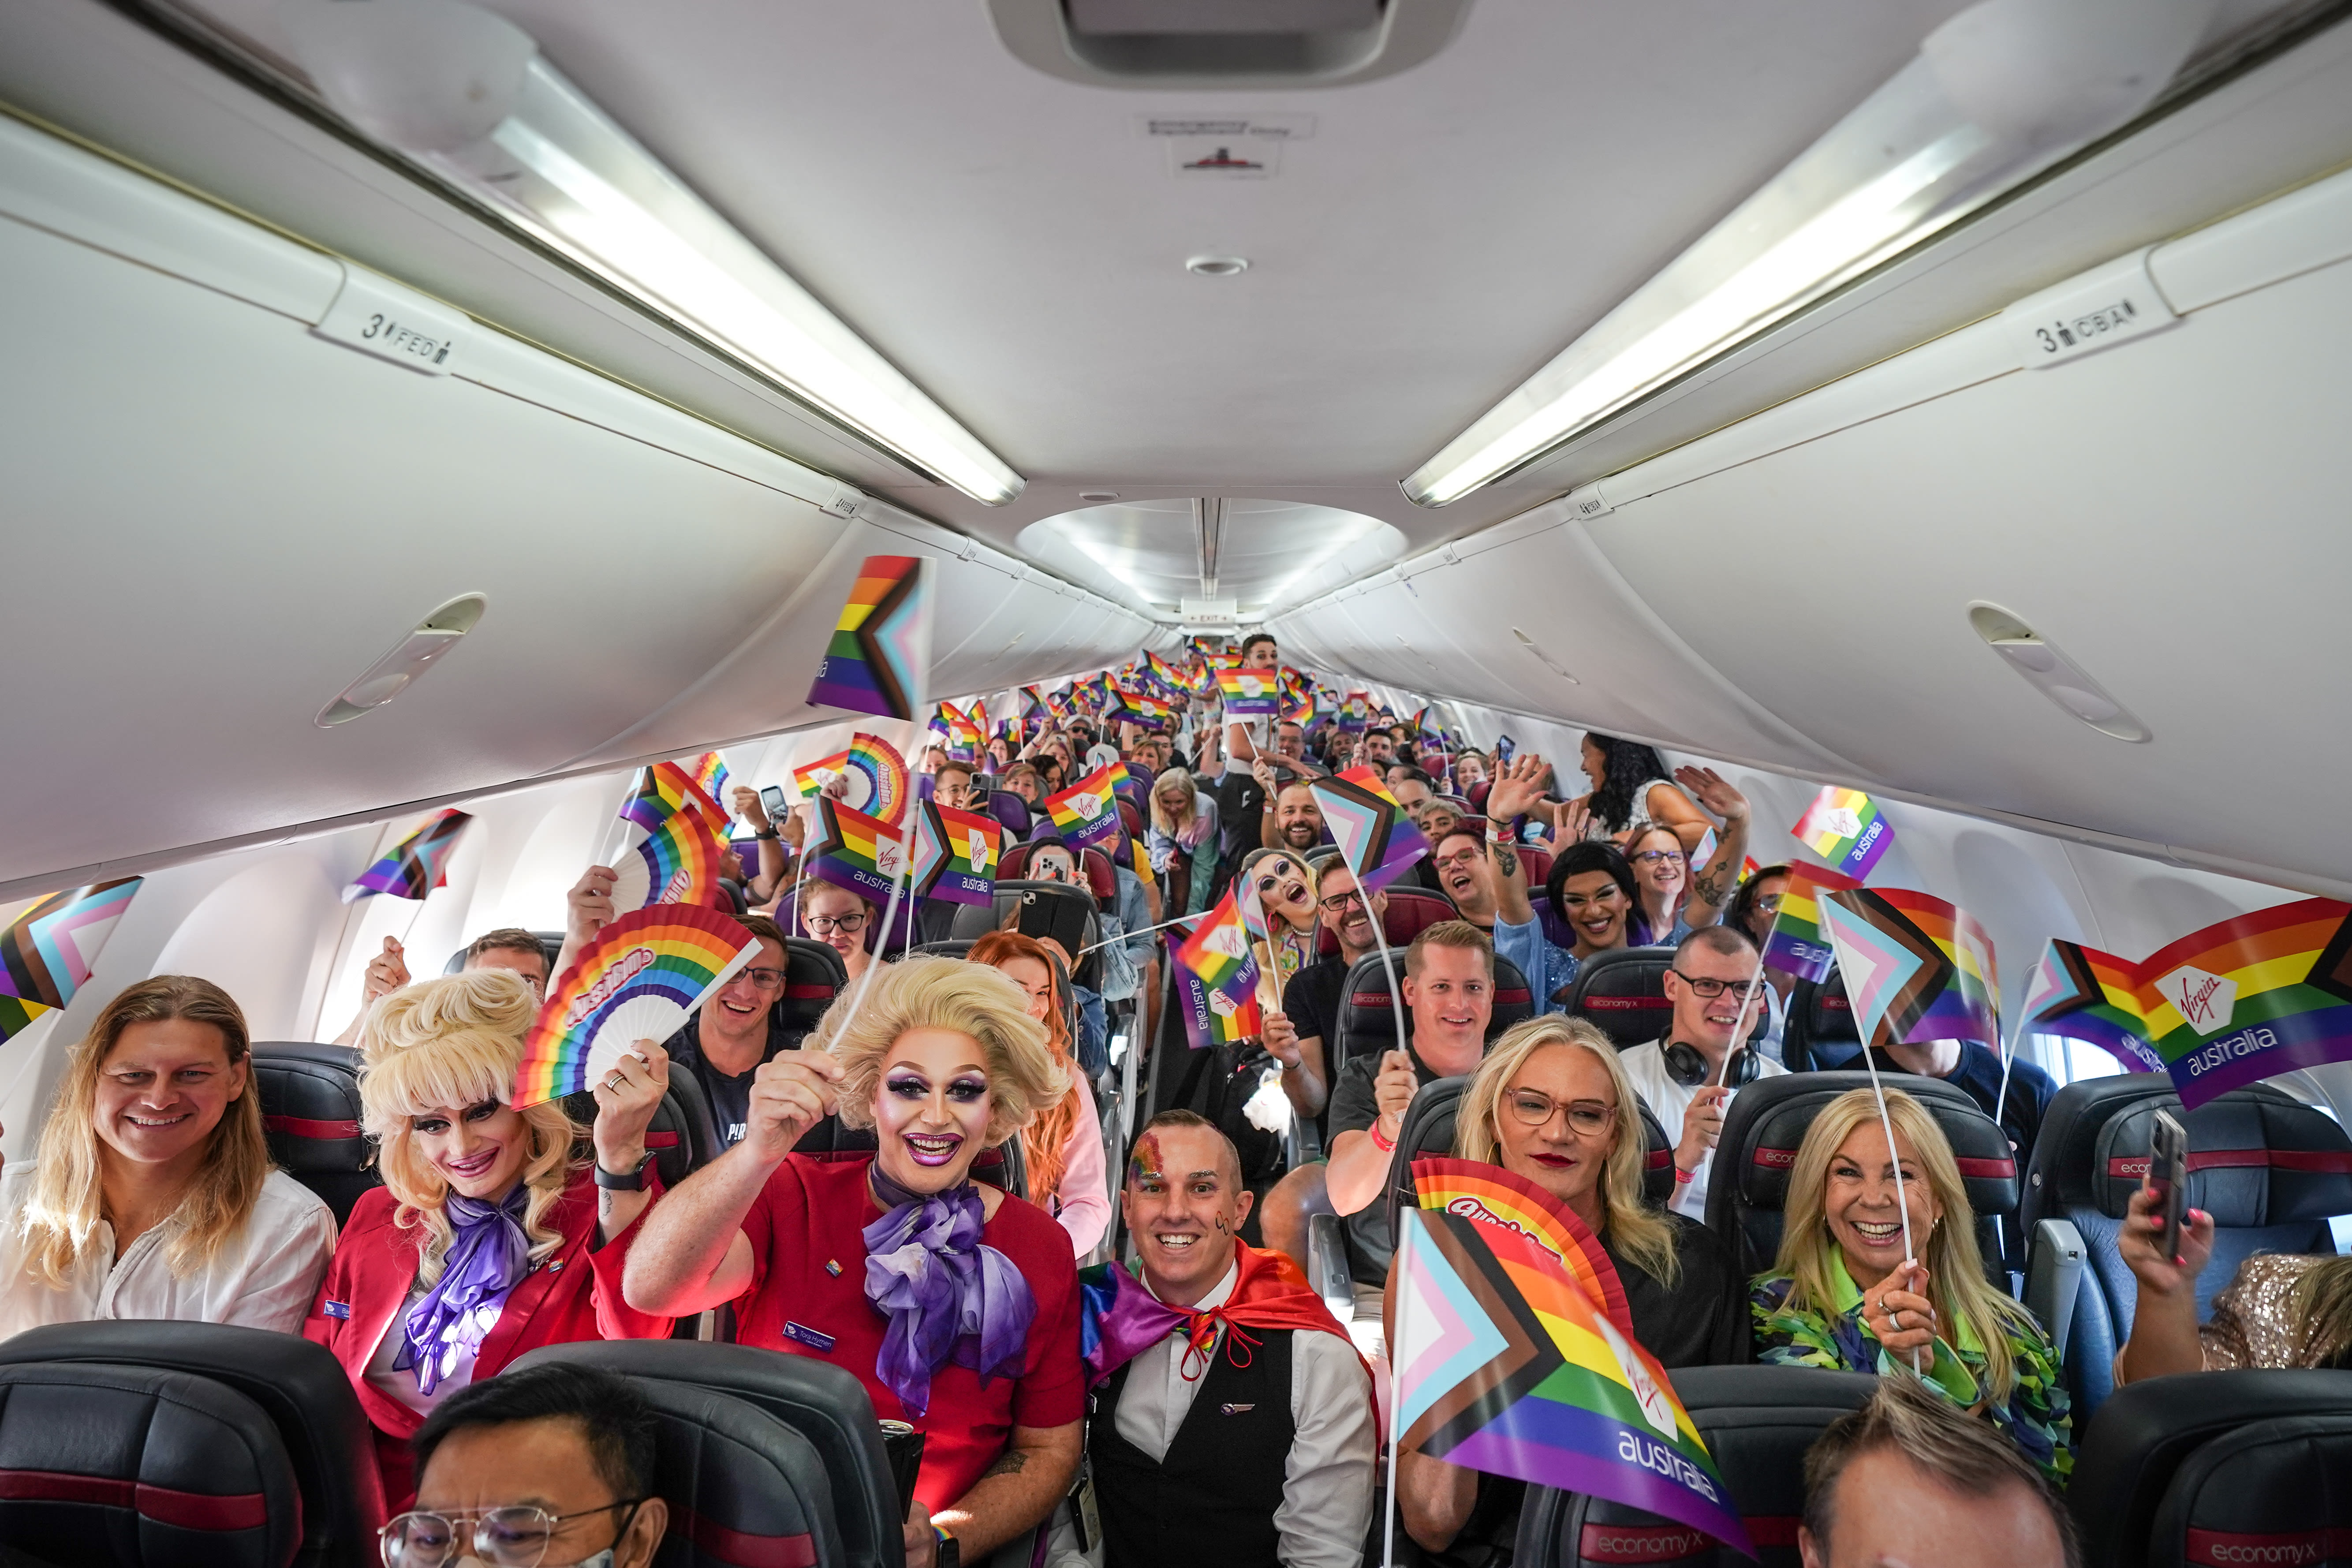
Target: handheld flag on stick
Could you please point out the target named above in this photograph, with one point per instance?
(1086, 812)
(710, 776)
(1249, 694)
(1844, 827)
(2250, 998)
(417, 864)
(853, 850)
(810, 778)
(1355, 713)
(1796, 944)
(881, 649)
(956, 854)
(1915, 968)
(1378, 842)
(1214, 1014)
(2085, 994)
(47, 952)
(1219, 948)
(638, 979)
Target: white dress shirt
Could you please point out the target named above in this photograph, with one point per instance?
(1326, 1488)
(264, 1277)
(1647, 1066)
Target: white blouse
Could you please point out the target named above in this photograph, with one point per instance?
(265, 1277)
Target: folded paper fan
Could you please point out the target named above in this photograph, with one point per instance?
(678, 863)
(639, 979)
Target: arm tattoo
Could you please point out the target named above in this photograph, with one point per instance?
(1506, 861)
(1708, 886)
(1009, 1465)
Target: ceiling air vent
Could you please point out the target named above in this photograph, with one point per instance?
(1224, 43)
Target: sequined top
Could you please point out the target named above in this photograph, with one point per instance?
(2253, 1318)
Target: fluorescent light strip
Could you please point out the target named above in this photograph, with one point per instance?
(567, 173)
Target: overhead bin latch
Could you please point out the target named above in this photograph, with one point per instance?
(844, 503)
(376, 316)
(2108, 306)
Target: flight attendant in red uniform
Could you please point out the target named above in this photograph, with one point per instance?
(487, 1239)
(955, 1304)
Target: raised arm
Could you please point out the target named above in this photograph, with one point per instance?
(387, 971)
(1517, 790)
(1358, 1165)
(587, 909)
(1713, 884)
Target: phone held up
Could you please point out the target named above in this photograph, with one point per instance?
(2167, 1178)
(773, 801)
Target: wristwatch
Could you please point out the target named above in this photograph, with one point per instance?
(629, 1182)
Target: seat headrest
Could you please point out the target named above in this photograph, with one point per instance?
(2268, 1493)
(744, 1489)
(1010, 810)
(1410, 912)
(108, 1464)
(813, 976)
(1622, 993)
(310, 1105)
(1770, 1118)
(1368, 1008)
(669, 1136)
(2257, 1156)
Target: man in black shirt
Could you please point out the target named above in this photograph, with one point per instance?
(1295, 1037)
(724, 1043)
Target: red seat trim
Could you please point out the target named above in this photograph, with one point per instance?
(661, 1138)
(743, 1550)
(304, 1126)
(821, 993)
(183, 1511)
(1982, 1170)
(1621, 1003)
(2312, 1161)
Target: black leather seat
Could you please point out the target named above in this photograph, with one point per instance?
(2234, 1453)
(682, 1135)
(813, 976)
(1821, 1031)
(1758, 1422)
(1765, 1126)
(2269, 1169)
(845, 1490)
(1368, 1008)
(1622, 993)
(264, 1385)
(311, 1115)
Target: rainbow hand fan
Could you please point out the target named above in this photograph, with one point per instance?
(878, 778)
(639, 980)
(679, 862)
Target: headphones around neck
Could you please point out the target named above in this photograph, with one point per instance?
(1688, 1068)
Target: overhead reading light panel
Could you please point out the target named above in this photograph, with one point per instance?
(1224, 43)
(1998, 94)
(465, 94)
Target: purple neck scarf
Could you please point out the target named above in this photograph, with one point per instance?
(489, 1258)
(947, 1296)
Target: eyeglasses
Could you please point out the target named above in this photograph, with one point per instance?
(1707, 985)
(1461, 857)
(825, 925)
(771, 979)
(1337, 904)
(1652, 856)
(1770, 904)
(514, 1537)
(1586, 1118)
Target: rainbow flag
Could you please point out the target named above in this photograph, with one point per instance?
(1915, 968)
(417, 864)
(1087, 812)
(2086, 994)
(1033, 707)
(1219, 948)
(810, 778)
(880, 653)
(638, 979)
(963, 735)
(1170, 679)
(1148, 712)
(956, 854)
(1214, 1014)
(1249, 694)
(853, 850)
(1795, 945)
(877, 776)
(1297, 698)
(46, 953)
(681, 861)
(2252, 997)
(1058, 704)
(1376, 839)
(710, 776)
(1355, 713)
(1844, 827)
(666, 787)
(1508, 1361)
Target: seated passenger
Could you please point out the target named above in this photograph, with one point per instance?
(1591, 887)
(1551, 1104)
(1291, 819)
(1183, 842)
(1063, 1148)
(505, 948)
(955, 1304)
(1470, 771)
(487, 1239)
(727, 1039)
(1244, 1433)
(1977, 1068)
(1054, 861)
(1284, 885)
(1449, 986)
(1690, 1076)
(1907, 1478)
(1296, 1035)
(151, 1193)
(837, 918)
(1258, 653)
(1462, 869)
(952, 785)
(1842, 1295)
(2280, 1309)
(550, 1464)
(1021, 779)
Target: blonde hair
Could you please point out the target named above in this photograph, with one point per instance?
(1170, 783)
(68, 1199)
(1955, 1278)
(1635, 1228)
(945, 993)
(448, 1044)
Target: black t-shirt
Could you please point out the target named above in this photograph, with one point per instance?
(2020, 1112)
(1353, 1107)
(1703, 1320)
(730, 1095)
(1312, 1002)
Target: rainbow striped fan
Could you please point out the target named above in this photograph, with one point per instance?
(639, 980)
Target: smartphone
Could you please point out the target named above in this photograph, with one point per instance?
(773, 801)
(2168, 1174)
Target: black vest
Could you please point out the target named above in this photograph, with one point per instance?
(1212, 1500)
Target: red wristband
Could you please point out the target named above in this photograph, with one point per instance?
(1684, 1178)
(1385, 1145)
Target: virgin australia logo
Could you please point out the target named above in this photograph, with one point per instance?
(2205, 1001)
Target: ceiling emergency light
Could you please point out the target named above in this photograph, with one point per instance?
(1996, 95)
(465, 94)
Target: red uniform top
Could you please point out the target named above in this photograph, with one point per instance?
(576, 1294)
(808, 1220)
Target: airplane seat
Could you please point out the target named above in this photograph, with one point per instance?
(1766, 1125)
(1322, 855)
(959, 947)
(1368, 1008)
(748, 1485)
(1534, 863)
(1758, 1422)
(2270, 1170)
(813, 976)
(1410, 912)
(310, 1116)
(1622, 993)
(1102, 882)
(680, 1141)
(1821, 1032)
(295, 1392)
(2215, 1467)
(551, 942)
(1010, 811)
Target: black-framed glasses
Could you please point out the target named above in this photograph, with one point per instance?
(1708, 987)
(765, 979)
(1337, 904)
(515, 1537)
(825, 925)
(1586, 1118)
(1652, 856)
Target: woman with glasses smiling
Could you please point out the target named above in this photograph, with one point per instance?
(1551, 1104)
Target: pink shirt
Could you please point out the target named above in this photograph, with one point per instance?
(1082, 1203)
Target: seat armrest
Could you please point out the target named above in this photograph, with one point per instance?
(2053, 1273)
(1327, 1264)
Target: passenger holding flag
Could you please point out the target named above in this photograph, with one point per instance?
(1689, 1075)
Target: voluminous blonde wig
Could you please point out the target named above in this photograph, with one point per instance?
(1636, 1229)
(449, 1044)
(1956, 1279)
(946, 994)
(68, 1199)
